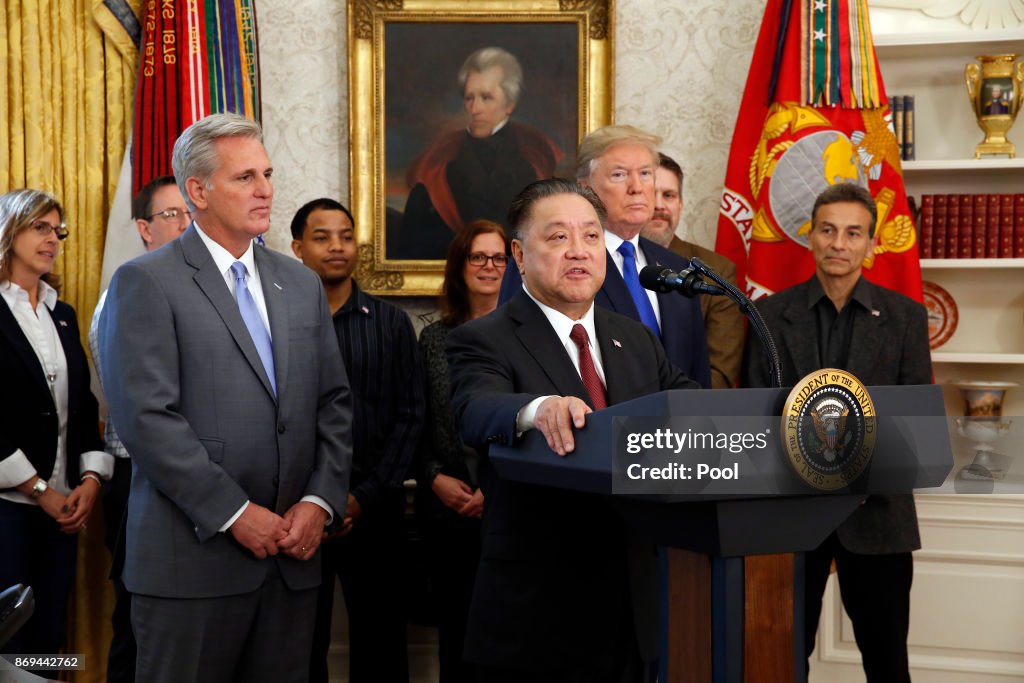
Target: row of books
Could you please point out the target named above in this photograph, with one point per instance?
(971, 226)
(902, 108)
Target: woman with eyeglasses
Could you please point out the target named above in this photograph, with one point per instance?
(51, 459)
(449, 500)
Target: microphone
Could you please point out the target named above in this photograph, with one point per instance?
(687, 282)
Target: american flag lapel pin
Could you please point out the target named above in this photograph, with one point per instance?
(63, 323)
(365, 310)
(875, 312)
(616, 343)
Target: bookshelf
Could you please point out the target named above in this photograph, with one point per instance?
(989, 293)
(921, 167)
(956, 630)
(890, 42)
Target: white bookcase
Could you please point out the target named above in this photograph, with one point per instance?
(989, 340)
(967, 604)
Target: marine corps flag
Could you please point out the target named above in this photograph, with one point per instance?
(814, 113)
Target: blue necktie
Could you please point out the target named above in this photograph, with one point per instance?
(639, 294)
(253, 321)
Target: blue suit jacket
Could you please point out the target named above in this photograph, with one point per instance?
(682, 327)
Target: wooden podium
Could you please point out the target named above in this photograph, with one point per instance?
(734, 560)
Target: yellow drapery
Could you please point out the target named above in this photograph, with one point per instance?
(68, 112)
(67, 80)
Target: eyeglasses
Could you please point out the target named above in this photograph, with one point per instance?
(480, 259)
(171, 214)
(44, 229)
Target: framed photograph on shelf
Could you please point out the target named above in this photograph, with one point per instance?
(453, 109)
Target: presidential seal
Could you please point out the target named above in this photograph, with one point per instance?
(828, 429)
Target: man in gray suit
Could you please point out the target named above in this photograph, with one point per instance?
(837, 319)
(224, 378)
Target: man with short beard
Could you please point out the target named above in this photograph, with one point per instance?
(723, 321)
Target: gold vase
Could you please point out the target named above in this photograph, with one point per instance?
(996, 89)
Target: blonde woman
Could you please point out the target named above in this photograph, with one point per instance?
(51, 459)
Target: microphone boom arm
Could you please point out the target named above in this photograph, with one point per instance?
(753, 315)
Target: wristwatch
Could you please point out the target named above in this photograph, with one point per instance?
(39, 488)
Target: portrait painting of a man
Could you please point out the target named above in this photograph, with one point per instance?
(998, 100)
(474, 113)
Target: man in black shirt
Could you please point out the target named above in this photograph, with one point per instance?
(379, 348)
(837, 319)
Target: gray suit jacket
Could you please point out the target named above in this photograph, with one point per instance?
(194, 407)
(886, 349)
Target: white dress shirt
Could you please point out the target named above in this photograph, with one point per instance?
(224, 260)
(39, 328)
(562, 325)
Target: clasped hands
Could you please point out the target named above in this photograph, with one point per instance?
(297, 533)
(71, 511)
(458, 495)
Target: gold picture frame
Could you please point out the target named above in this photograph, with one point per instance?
(433, 35)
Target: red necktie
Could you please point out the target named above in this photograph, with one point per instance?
(588, 373)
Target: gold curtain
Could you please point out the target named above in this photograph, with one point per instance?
(67, 80)
(68, 111)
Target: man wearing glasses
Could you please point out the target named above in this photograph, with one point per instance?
(160, 216)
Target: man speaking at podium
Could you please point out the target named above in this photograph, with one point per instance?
(563, 593)
(837, 319)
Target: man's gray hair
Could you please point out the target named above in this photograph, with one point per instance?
(597, 142)
(485, 58)
(195, 155)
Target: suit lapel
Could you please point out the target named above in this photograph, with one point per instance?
(869, 333)
(540, 341)
(68, 341)
(800, 337)
(211, 282)
(10, 328)
(673, 336)
(277, 310)
(614, 357)
(616, 295)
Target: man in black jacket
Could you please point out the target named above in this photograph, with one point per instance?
(837, 319)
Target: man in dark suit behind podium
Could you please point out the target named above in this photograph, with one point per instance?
(618, 163)
(838, 319)
(564, 591)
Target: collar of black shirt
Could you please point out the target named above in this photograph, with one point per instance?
(861, 293)
(357, 301)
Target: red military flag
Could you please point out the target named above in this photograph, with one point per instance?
(814, 113)
(198, 57)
